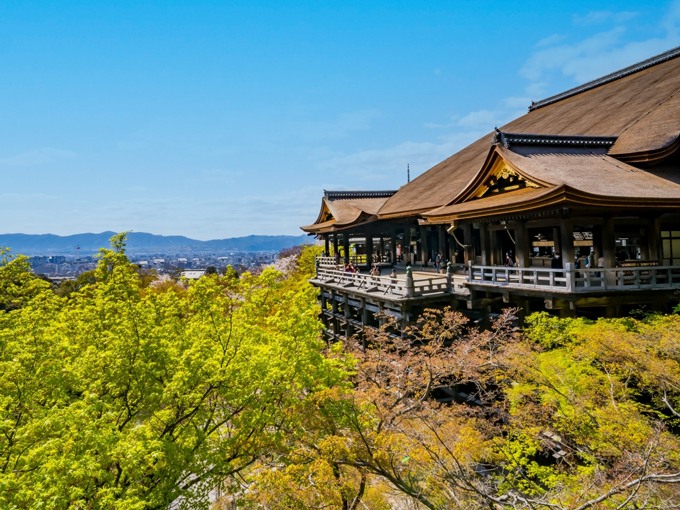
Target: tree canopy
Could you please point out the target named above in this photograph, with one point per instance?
(124, 393)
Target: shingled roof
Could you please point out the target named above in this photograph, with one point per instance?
(638, 107)
(342, 209)
(560, 175)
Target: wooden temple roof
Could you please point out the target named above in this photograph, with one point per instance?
(343, 209)
(638, 108)
(557, 175)
(577, 147)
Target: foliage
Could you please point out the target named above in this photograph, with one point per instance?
(573, 414)
(124, 395)
(124, 398)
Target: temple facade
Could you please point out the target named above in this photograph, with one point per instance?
(572, 208)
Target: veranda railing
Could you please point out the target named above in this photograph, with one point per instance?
(571, 279)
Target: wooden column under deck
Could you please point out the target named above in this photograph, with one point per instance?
(348, 316)
(334, 304)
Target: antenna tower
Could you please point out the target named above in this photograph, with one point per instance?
(408, 172)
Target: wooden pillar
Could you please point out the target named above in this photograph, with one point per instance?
(393, 246)
(568, 311)
(453, 246)
(567, 240)
(557, 245)
(348, 316)
(334, 304)
(442, 242)
(345, 246)
(522, 245)
(424, 249)
(381, 247)
(523, 310)
(644, 242)
(326, 246)
(335, 244)
(406, 249)
(364, 320)
(369, 249)
(485, 245)
(469, 252)
(324, 320)
(597, 243)
(654, 239)
(497, 255)
(609, 242)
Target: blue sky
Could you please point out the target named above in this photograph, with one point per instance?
(221, 119)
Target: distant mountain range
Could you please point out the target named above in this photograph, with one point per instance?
(143, 243)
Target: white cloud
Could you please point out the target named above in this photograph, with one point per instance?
(340, 127)
(389, 164)
(517, 102)
(600, 53)
(36, 157)
(596, 17)
(484, 119)
(550, 40)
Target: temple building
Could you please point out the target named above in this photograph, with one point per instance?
(572, 208)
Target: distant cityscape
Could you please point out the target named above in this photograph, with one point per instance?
(62, 267)
(67, 257)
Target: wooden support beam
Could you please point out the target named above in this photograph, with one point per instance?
(483, 302)
(369, 249)
(441, 234)
(522, 245)
(567, 240)
(609, 242)
(469, 252)
(345, 246)
(406, 249)
(654, 239)
(485, 244)
(348, 316)
(393, 246)
(424, 249)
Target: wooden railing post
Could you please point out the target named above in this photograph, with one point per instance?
(469, 277)
(316, 272)
(449, 278)
(571, 275)
(410, 288)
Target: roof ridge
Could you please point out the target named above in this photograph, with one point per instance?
(508, 139)
(348, 195)
(616, 75)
